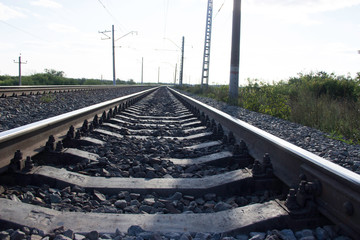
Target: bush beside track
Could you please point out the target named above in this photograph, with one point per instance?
(320, 100)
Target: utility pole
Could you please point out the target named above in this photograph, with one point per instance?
(182, 58)
(182, 62)
(142, 70)
(113, 49)
(175, 74)
(235, 53)
(207, 44)
(113, 52)
(20, 62)
(158, 75)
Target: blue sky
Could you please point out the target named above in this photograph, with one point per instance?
(279, 38)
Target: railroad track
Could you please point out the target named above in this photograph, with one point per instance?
(159, 161)
(14, 91)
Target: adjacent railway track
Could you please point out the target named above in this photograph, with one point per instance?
(12, 91)
(167, 163)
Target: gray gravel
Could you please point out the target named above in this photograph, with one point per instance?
(18, 111)
(22, 110)
(137, 233)
(77, 199)
(307, 138)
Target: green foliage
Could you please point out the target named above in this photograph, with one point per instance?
(54, 77)
(265, 98)
(8, 81)
(327, 102)
(323, 84)
(320, 100)
(53, 72)
(47, 98)
(219, 93)
(130, 81)
(340, 137)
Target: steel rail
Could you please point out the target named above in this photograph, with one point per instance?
(30, 139)
(338, 196)
(6, 91)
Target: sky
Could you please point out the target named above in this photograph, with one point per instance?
(279, 38)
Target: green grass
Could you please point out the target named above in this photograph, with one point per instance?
(323, 101)
(47, 98)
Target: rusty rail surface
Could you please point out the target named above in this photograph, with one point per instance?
(30, 139)
(336, 190)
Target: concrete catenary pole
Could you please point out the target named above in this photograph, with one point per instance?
(175, 74)
(113, 52)
(235, 53)
(142, 70)
(20, 62)
(182, 62)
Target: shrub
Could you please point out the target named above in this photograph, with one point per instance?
(320, 100)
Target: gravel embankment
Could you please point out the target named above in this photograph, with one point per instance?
(18, 111)
(77, 199)
(307, 138)
(137, 233)
(22, 110)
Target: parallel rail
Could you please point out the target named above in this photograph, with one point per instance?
(8, 91)
(338, 193)
(335, 190)
(31, 138)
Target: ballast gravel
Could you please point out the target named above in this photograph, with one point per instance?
(77, 199)
(137, 233)
(18, 111)
(21, 110)
(145, 159)
(310, 139)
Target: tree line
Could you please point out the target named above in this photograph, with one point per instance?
(54, 77)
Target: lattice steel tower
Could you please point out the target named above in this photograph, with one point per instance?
(206, 59)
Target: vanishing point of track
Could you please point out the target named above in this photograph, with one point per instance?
(146, 158)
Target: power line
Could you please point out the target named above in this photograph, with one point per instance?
(111, 15)
(21, 30)
(112, 37)
(166, 11)
(113, 48)
(219, 9)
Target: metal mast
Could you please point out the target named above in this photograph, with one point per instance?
(206, 58)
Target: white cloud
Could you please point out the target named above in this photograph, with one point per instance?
(7, 13)
(57, 27)
(310, 6)
(46, 3)
(292, 11)
(6, 45)
(314, 6)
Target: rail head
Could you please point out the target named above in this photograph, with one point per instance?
(31, 138)
(339, 198)
(7, 91)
